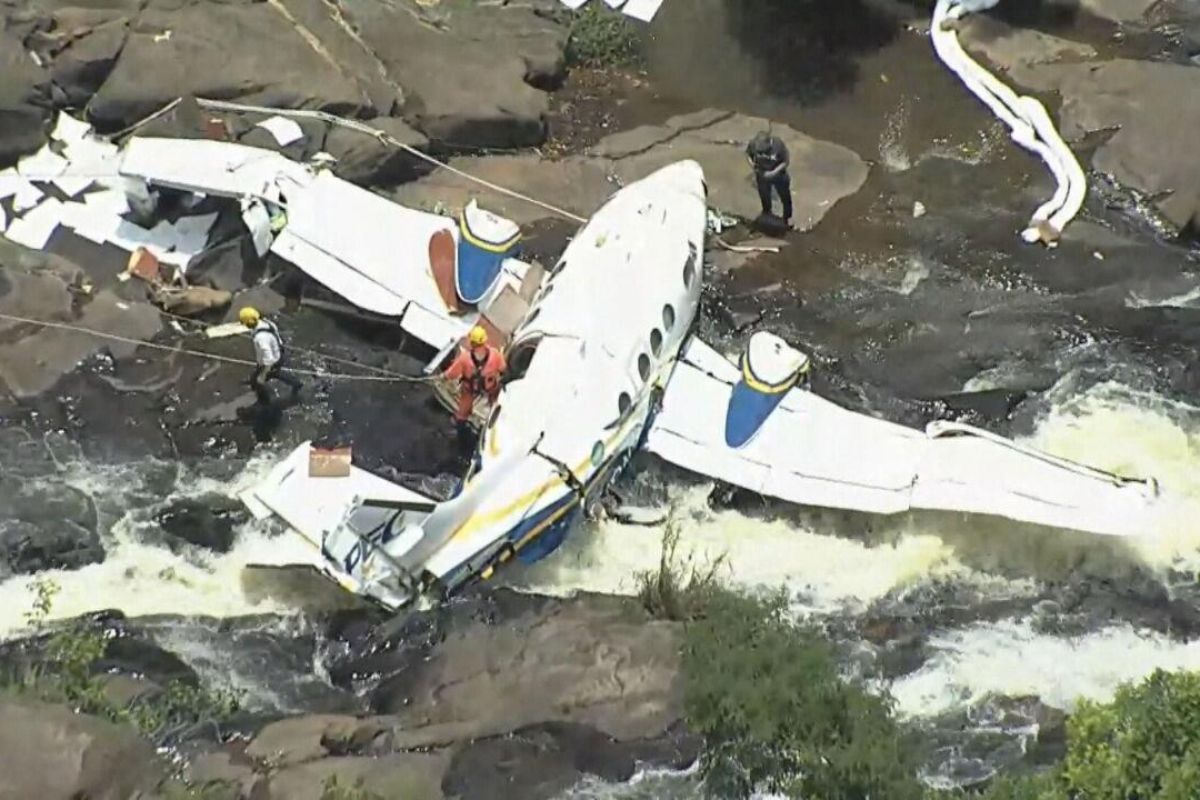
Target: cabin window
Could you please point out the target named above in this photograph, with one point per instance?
(689, 269)
(558, 267)
(597, 454)
(644, 366)
(656, 342)
(624, 403)
(668, 316)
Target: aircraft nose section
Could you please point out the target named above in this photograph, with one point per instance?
(769, 369)
(685, 176)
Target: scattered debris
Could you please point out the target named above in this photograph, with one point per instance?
(329, 463)
(286, 131)
(918, 210)
(187, 301)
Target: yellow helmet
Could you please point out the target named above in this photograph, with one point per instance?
(477, 337)
(249, 316)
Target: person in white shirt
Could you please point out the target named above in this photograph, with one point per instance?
(268, 355)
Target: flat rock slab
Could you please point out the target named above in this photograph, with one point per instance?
(1154, 109)
(1119, 10)
(400, 775)
(1007, 47)
(34, 363)
(469, 68)
(48, 751)
(584, 661)
(822, 172)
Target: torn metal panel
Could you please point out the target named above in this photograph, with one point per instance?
(218, 168)
(643, 10)
(35, 228)
(813, 452)
(286, 131)
(371, 238)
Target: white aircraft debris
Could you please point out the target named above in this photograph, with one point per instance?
(286, 131)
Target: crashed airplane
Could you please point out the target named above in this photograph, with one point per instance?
(602, 363)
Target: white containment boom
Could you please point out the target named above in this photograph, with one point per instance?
(810, 451)
(1027, 118)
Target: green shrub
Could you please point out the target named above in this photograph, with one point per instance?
(601, 37)
(1144, 745)
(65, 674)
(331, 789)
(678, 589)
(764, 692)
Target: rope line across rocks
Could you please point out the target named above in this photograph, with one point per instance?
(390, 377)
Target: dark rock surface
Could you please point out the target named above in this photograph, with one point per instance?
(209, 521)
(24, 100)
(245, 51)
(46, 526)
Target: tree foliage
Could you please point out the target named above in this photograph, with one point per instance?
(601, 37)
(1144, 745)
(764, 692)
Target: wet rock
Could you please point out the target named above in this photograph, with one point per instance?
(1152, 107)
(716, 139)
(49, 751)
(46, 526)
(544, 761)
(396, 775)
(590, 660)
(28, 548)
(363, 159)
(90, 42)
(130, 652)
(34, 364)
(246, 52)
(209, 522)
(300, 739)
(24, 100)
(1007, 46)
(1119, 10)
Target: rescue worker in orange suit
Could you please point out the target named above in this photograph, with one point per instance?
(478, 369)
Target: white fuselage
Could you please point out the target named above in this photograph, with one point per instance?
(605, 332)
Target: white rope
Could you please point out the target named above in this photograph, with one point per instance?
(1027, 119)
(386, 138)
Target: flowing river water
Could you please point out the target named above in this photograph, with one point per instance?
(1086, 351)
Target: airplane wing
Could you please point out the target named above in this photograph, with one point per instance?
(720, 420)
(377, 254)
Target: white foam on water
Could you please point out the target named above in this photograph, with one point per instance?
(144, 577)
(1010, 658)
(829, 572)
(1138, 434)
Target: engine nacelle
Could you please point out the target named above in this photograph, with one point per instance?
(485, 240)
(770, 368)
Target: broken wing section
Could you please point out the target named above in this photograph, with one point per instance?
(812, 452)
(358, 524)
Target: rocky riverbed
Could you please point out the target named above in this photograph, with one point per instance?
(119, 462)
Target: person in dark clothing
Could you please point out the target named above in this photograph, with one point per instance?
(769, 157)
